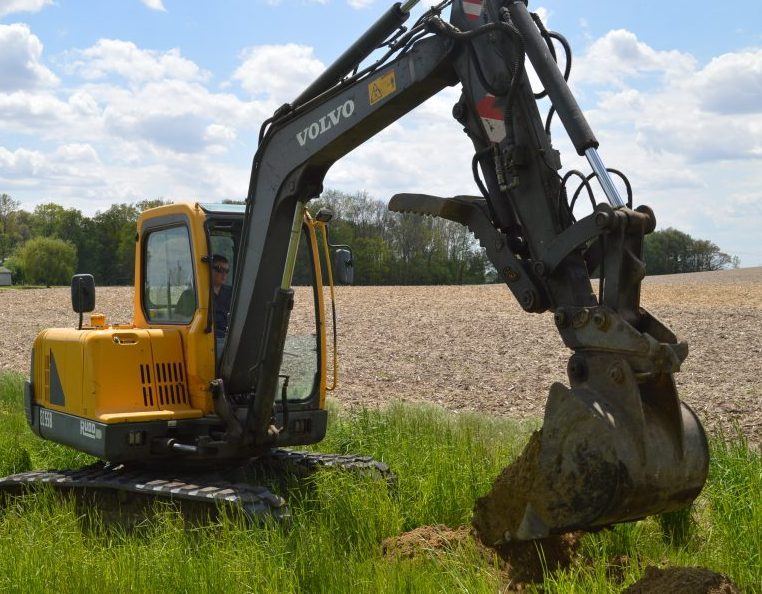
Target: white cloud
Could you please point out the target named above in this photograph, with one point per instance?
(426, 151)
(22, 110)
(277, 72)
(219, 134)
(20, 60)
(619, 56)
(135, 65)
(11, 6)
(701, 114)
(732, 83)
(359, 4)
(20, 164)
(132, 123)
(154, 5)
(77, 153)
(69, 166)
(688, 136)
(175, 115)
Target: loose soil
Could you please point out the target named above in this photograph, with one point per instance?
(519, 563)
(473, 348)
(682, 580)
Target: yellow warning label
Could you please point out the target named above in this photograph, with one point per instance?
(382, 87)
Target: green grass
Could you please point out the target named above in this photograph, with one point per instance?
(333, 544)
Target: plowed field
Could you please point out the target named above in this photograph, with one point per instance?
(473, 348)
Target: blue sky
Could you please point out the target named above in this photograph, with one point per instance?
(120, 100)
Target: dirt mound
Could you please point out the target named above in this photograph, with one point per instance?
(520, 562)
(682, 580)
(526, 561)
(426, 540)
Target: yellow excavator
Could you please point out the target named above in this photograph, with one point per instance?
(169, 400)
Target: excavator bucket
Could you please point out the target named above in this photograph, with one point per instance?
(614, 448)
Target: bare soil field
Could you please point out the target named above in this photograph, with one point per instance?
(473, 348)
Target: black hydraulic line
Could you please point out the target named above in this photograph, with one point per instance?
(480, 184)
(567, 73)
(443, 28)
(390, 21)
(538, 21)
(586, 183)
(547, 70)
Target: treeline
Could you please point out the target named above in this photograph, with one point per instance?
(673, 252)
(403, 249)
(49, 244)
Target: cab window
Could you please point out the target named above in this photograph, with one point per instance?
(169, 287)
(224, 244)
(301, 355)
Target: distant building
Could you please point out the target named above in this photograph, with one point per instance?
(5, 277)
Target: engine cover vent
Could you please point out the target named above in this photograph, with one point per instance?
(171, 384)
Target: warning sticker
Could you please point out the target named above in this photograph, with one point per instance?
(472, 8)
(492, 118)
(382, 87)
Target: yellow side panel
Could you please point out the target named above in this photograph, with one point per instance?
(113, 362)
(136, 371)
(113, 374)
(58, 369)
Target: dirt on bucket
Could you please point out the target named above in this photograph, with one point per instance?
(682, 580)
(501, 510)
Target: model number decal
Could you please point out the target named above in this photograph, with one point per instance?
(90, 430)
(46, 419)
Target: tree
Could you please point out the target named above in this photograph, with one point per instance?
(150, 203)
(114, 231)
(52, 220)
(670, 251)
(8, 208)
(48, 261)
(393, 248)
(46, 218)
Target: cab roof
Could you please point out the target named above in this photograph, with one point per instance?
(222, 208)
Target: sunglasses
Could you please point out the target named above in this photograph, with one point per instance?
(221, 269)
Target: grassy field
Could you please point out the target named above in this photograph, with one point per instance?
(443, 462)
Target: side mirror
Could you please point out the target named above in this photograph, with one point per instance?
(82, 293)
(343, 266)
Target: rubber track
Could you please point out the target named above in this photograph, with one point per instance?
(308, 462)
(256, 502)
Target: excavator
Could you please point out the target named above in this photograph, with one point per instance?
(168, 406)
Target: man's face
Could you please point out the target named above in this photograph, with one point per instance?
(219, 273)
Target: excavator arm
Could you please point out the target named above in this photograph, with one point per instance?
(617, 444)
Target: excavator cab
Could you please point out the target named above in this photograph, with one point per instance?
(167, 358)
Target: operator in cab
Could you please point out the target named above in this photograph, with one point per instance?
(223, 294)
